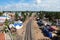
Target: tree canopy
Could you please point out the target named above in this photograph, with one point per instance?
(1, 13)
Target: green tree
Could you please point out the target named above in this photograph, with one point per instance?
(7, 23)
(40, 14)
(57, 15)
(1, 13)
(30, 13)
(24, 15)
(16, 16)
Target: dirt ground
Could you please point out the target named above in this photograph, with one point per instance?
(36, 32)
(38, 35)
(21, 32)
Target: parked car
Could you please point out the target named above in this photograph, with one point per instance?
(50, 28)
(47, 32)
(37, 19)
(40, 23)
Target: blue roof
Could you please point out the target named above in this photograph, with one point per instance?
(16, 24)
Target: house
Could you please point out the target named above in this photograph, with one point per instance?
(10, 15)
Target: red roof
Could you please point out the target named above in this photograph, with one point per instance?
(2, 36)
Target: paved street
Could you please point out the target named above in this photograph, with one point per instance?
(28, 34)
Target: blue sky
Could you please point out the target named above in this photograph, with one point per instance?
(30, 5)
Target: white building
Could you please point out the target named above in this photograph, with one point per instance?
(3, 18)
(17, 25)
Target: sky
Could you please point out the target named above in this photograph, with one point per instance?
(29, 5)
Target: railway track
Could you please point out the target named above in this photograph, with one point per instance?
(28, 34)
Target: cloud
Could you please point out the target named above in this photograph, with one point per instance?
(38, 1)
(36, 5)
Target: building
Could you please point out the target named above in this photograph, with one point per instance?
(10, 15)
(17, 25)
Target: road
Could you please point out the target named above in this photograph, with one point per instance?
(28, 34)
